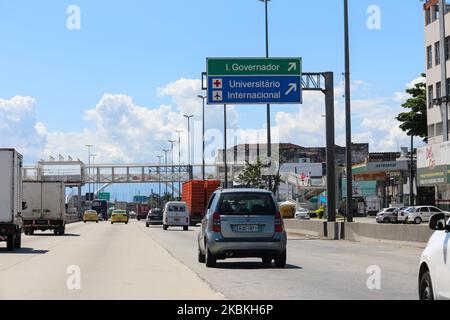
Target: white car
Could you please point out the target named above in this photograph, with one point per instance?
(302, 214)
(420, 214)
(434, 271)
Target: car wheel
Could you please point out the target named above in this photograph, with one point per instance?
(112, 222)
(147, 225)
(165, 227)
(18, 240)
(201, 257)
(211, 259)
(267, 260)
(426, 287)
(10, 241)
(96, 221)
(84, 221)
(418, 220)
(386, 220)
(31, 232)
(186, 228)
(280, 260)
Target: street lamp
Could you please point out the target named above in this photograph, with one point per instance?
(188, 117)
(159, 175)
(93, 163)
(165, 162)
(89, 146)
(179, 161)
(203, 134)
(171, 147)
(269, 136)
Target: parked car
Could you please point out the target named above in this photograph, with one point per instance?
(401, 214)
(386, 215)
(302, 214)
(176, 214)
(420, 214)
(119, 216)
(91, 216)
(242, 223)
(434, 270)
(155, 216)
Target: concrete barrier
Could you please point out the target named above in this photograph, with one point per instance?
(360, 231)
(392, 232)
(314, 228)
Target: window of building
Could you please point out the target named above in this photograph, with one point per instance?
(437, 53)
(429, 57)
(430, 97)
(434, 12)
(438, 90)
(427, 17)
(431, 130)
(439, 131)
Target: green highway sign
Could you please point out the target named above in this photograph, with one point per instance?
(254, 66)
(104, 196)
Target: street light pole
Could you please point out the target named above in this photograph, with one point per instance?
(269, 135)
(93, 163)
(203, 135)
(159, 175)
(188, 117)
(348, 117)
(225, 144)
(171, 147)
(443, 58)
(165, 162)
(89, 146)
(179, 161)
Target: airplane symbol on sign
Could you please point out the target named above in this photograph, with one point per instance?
(217, 95)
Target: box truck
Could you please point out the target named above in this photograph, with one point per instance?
(45, 207)
(11, 203)
(196, 194)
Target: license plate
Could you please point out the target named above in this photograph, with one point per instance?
(176, 219)
(247, 228)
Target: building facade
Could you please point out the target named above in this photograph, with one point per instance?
(433, 161)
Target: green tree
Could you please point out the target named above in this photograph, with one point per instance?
(252, 177)
(414, 122)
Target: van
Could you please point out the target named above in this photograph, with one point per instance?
(176, 214)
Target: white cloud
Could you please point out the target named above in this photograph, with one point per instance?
(18, 126)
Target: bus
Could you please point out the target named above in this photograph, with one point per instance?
(101, 206)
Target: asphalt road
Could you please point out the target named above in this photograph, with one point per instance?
(135, 262)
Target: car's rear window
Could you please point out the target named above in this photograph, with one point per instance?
(246, 203)
(177, 208)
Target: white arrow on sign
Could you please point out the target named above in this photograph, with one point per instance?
(292, 66)
(292, 87)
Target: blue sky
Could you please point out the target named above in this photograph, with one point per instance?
(148, 55)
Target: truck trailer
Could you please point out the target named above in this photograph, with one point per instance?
(11, 221)
(45, 207)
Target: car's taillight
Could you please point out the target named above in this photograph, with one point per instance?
(278, 223)
(216, 222)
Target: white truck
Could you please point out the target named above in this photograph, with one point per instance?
(11, 203)
(45, 207)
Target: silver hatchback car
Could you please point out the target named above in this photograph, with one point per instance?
(241, 223)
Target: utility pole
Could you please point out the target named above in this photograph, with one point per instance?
(443, 58)
(348, 118)
(411, 179)
(225, 144)
(89, 146)
(165, 162)
(188, 117)
(179, 161)
(203, 135)
(171, 147)
(269, 135)
(159, 176)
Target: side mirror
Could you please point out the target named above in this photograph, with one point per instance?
(438, 222)
(24, 205)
